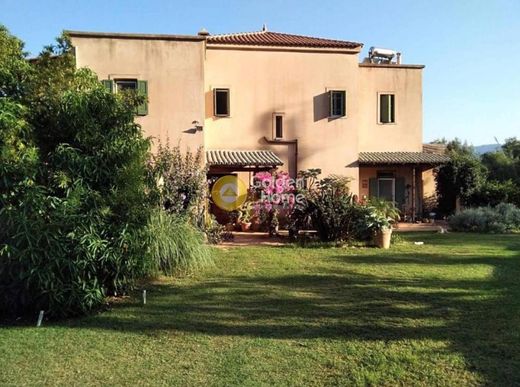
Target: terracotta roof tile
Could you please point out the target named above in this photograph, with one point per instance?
(243, 158)
(268, 38)
(402, 158)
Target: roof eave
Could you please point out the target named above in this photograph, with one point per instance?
(124, 35)
(392, 65)
(217, 46)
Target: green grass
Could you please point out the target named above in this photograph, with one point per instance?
(446, 313)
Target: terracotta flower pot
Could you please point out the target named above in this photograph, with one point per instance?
(245, 226)
(382, 238)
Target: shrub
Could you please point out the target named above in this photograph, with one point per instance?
(492, 193)
(500, 219)
(179, 181)
(175, 245)
(215, 232)
(72, 203)
(329, 209)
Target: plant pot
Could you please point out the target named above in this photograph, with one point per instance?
(245, 226)
(273, 231)
(382, 238)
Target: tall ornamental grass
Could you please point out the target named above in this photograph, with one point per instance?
(175, 246)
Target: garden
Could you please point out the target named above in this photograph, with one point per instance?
(444, 313)
(113, 246)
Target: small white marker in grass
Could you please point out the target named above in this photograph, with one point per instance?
(40, 319)
(144, 297)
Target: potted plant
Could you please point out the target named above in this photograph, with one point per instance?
(382, 232)
(384, 215)
(245, 216)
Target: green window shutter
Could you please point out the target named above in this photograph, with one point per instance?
(400, 187)
(344, 104)
(109, 84)
(372, 188)
(142, 89)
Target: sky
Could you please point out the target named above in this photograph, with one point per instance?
(471, 49)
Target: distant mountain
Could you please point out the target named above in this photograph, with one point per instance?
(481, 149)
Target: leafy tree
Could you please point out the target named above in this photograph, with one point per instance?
(73, 210)
(459, 178)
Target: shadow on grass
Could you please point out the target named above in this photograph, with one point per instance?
(479, 318)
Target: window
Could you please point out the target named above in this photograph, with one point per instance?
(278, 126)
(386, 108)
(133, 85)
(221, 102)
(126, 84)
(337, 103)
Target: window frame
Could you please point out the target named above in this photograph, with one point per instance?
(217, 90)
(379, 96)
(343, 92)
(128, 80)
(274, 122)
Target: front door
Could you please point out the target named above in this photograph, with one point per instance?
(386, 188)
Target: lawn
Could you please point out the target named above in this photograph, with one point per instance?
(447, 312)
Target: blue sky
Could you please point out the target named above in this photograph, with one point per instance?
(471, 49)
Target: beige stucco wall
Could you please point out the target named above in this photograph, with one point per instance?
(294, 83)
(263, 82)
(181, 75)
(175, 73)
(406, 133)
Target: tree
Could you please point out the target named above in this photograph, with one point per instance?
(459, 178)
(73, 208)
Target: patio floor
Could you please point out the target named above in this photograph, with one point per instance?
(262, 238)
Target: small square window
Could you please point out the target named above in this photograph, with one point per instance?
(386, 108)
(221, 102)
(337, 103)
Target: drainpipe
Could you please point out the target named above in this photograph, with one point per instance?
(413, 194)
(287, 142)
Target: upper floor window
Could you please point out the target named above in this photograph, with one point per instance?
(221, 102)
(386, 108)
(337, 103)
(131, 85)
(126, 84)
(278, 126)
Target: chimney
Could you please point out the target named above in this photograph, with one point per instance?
(203, 32)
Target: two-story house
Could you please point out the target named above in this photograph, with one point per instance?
(264, 99)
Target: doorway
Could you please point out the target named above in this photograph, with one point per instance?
(386, 188)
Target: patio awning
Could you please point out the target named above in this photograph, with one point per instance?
(402, 158)
(242, 158)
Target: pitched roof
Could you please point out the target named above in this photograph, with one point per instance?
(402, 158)
(268, 38)
(243, 158)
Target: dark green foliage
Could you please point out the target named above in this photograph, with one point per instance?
(330, 211)
(493, 192)
(492, 179)
(14, 70)
(503, 218)
(73, 209)
(215, 232)
(460, 178)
